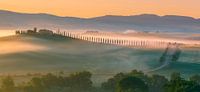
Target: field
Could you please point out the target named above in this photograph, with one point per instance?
(24, 54)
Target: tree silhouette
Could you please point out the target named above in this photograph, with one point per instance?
(132, 84)
(7, 84)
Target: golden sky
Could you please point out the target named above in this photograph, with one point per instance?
(92, 8)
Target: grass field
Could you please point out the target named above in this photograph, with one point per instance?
(32, 54)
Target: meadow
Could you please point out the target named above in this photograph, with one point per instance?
(35, 54)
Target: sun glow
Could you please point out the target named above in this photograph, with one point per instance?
(8, 47)
(6, 33)
(92, 8)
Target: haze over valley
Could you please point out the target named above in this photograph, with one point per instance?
(143, 22)
(24, 54)
(99, 46)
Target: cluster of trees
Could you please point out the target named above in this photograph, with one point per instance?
(135, 81)
(78, 82)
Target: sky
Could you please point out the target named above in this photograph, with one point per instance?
(93, 8)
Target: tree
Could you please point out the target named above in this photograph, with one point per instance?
(36, 85)
(177, 84)
(132, 84)
(139, 74)
(49, 80)
(7, 84)
(195, 78)
(111, 84)
(175, 76)
(80, 82)
(157, 83)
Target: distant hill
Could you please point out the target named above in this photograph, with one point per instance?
(144, 22)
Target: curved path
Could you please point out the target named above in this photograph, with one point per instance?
(171, 50)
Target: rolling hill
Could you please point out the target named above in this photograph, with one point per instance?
(144, 22)
(33, 54)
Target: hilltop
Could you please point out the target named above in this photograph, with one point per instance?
(143, 22)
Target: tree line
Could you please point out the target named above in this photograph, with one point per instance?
(134, 81)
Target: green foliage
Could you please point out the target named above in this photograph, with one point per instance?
(80, 81)
(111, 84)
(135, 81)
(162, 58)
(7, 84)
(195, 78)
(178, 84)
(176, 55)
(132, 84)
(157, 83)
(139, 74)
(175, 76)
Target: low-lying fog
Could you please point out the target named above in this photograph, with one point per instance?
(24, 54)
(18, 47)
(6, 33)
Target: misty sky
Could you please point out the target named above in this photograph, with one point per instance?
(92, 8)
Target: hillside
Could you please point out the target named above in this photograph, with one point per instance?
(144, 22)
(66, 54)
(43, 54)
